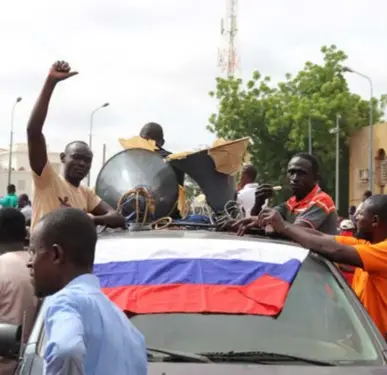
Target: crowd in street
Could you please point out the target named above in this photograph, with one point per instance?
(63, 238)
(310, 218)
(60, 260)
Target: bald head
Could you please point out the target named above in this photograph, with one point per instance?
(153, 131)
(78, 145)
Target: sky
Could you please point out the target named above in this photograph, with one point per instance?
(156, 60)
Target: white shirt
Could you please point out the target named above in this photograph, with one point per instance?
(27, 212)
(246, 197)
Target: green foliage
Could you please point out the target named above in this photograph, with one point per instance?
(276, 117)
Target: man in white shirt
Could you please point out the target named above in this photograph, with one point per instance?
(367, 194)
(25, 207)
(246, 189)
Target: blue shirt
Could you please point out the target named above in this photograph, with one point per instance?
(88, 335)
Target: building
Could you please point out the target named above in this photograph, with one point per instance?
(359, 162)
(21, 172)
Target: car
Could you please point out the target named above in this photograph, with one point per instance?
(322, 324)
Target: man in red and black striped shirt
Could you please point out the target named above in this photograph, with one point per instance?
(309, 206)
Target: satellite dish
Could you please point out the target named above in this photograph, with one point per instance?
(138, 169)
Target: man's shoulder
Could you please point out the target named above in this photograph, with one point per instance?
(325, 201)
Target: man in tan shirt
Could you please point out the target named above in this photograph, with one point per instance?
(17, 299)
(52, 190)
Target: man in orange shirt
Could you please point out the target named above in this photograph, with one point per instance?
(367, 251)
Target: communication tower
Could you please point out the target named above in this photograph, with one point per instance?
(228, 59)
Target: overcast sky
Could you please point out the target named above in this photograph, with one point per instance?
(156, 60)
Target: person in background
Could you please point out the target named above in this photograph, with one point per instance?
(17, 300)
(347, 229)
(10, 200)
(309, 207)
(155, 132)
(52, 190)
(351, 213)
(25, 208)
(339, 220)
(246, 189)
(86, 333)
(367, 194)
(367, 251)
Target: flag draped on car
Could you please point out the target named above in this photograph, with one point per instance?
(156, 275)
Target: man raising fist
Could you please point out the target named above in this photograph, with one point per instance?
(53, 191)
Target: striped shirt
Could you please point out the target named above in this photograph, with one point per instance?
(317, 210)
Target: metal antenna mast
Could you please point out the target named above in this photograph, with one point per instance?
(228, 58)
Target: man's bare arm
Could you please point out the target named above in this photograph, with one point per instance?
(324, 245)
(104, 214)
(37, 150)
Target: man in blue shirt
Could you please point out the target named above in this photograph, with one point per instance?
(86, 333)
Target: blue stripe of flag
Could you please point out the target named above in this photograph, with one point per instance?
(191, 271)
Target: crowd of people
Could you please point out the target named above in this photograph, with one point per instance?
(63, 238)
(85, 332)
(309, 217)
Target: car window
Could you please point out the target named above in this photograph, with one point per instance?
(319, 321)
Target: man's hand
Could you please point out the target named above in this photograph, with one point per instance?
(243, 225)
(271, 218)
(60, 71)
(263, 192)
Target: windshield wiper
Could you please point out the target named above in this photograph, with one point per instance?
(177, 356)
(262, 357)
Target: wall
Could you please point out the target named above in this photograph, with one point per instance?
(21, 172)
(359, 159)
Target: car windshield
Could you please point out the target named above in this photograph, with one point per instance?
(319, 321)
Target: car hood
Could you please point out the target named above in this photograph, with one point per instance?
(250, 369)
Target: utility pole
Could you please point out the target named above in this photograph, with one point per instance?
(336, 131)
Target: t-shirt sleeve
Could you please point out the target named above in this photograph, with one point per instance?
(350, 241)
(373, 256)
(93, 200)
(45, 178)
(317, 213)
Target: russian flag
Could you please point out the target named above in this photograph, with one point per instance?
(197, 275)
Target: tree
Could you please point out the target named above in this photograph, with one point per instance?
(276, 117)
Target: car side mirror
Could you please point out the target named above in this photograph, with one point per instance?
(10, 340)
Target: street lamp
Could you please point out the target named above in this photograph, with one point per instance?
(336, 131)
(371, 143)
(91, 132)
(18, 100)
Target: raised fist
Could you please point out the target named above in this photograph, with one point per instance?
(60, 71)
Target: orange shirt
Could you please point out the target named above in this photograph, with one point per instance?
(370, 283)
